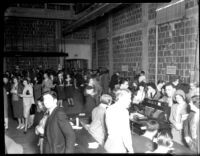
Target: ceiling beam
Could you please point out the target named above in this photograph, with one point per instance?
(38, 13)
(100, 11)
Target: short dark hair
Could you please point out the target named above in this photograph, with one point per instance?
(142, 84)
(25, 79)
(123, 80)
(142, 72)
(152, 85)
(105, 99)
(152, 125)
(195, 100)
(164, 139)
(52, 93)
(170, 84)
(160, 81)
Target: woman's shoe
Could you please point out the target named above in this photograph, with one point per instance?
(18, 127)
(29, 126)
(22, 126)
(25, 131)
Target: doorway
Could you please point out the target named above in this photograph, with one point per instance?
(75, 64)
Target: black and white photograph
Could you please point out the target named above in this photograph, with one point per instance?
(101, 78)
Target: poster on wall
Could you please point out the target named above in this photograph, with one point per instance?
(124, 67)
(171, 70)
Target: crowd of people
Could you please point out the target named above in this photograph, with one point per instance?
(107, 102)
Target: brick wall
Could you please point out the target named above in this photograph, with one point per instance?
(190, 3)
(94, 50)
(103, 60)
(176, 41)
(152, 11)
(152, 53)
(176, 47)
(31, 62)
(82, 34)
(128, 16)
(127, 50)
(27, 34)
(31, 35)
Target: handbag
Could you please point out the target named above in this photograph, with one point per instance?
(33, 109)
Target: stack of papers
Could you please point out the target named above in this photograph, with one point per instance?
(77, 127)
(141, 116)
(81, 114)
(93, 145)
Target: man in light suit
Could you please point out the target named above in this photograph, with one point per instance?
(59, 136)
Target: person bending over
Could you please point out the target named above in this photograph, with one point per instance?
(97, 126)
(144, 143)
(118, 124)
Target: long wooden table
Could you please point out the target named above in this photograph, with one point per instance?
(83, 137)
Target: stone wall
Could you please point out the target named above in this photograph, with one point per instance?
(177, 46)
(27, 34)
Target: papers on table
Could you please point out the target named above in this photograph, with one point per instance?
(81, 114)
(77, 127)
(141, 116)
(71, 123)
(93, 145)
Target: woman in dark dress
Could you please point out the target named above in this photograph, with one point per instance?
(37, 88)
(60, 88)
(47, 83)
(90, 102)
(69, 89)
(17, 102)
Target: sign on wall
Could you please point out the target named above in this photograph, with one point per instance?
(171, 70)
(124, 67)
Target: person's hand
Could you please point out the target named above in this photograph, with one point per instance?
(36, 130)
(179, 126)
(87, 126)
(131, 116)
(188, 139)
(40, 142)
(20, 95)
(184, 117)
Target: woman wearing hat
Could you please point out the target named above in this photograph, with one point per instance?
(191, 125)
(178, 110)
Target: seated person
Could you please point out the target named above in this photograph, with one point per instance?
(140, 94)
(152, 92)
(144, 143)
(97, 126)
(134, 86)
(160, 84)
(191, 126)
(164, 143)
(124, 84)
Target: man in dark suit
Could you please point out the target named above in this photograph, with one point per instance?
(59, 136)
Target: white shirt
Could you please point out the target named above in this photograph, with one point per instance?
(118, 127)
(142, 78)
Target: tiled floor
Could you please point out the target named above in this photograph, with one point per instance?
(29, 140)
